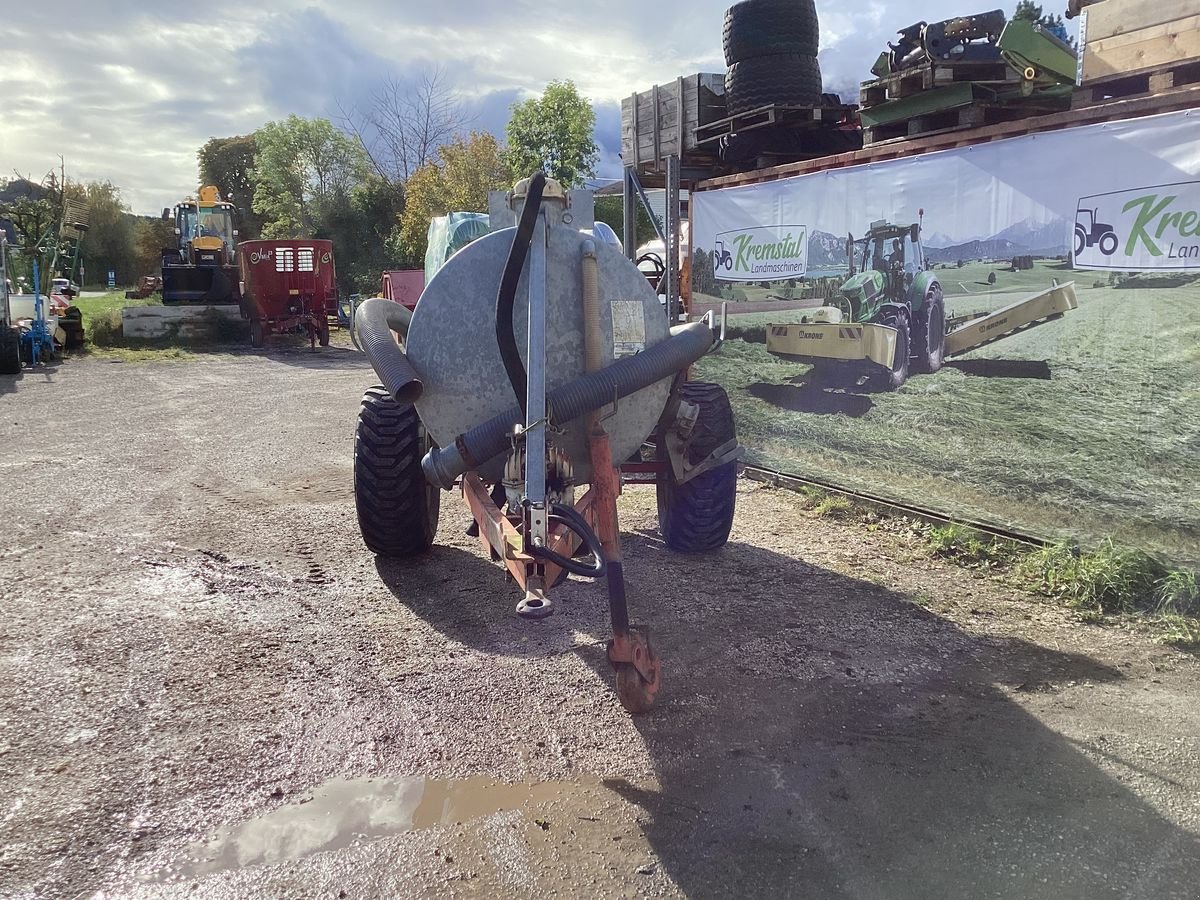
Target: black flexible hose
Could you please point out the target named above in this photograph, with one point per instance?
(570, 517)
(374, 322)
(506, 336)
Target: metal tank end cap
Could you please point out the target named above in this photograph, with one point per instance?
(552, 191)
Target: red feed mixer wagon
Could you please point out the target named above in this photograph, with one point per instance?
(286, 286)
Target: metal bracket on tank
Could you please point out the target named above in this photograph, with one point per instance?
(535, 402)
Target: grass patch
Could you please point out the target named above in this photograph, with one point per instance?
(834, 506)
(104, 333)
(1178, 631)
(1113, 580)
(103, 328)
(1178, 594)
(966, 545)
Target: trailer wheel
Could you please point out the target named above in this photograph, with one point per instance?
(10, 351)
(323, 333)
(397, 508)
(899, 372)
(929, 335)
(765, 27)
(258, 333)
(697, 515)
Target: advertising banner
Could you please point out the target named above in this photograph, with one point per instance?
(1140, 229)
(1006, 332)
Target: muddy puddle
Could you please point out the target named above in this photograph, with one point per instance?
(344, 812)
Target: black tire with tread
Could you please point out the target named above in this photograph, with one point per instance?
(929, 334)
(792, 79)
(696, 516)
(900, 363)
(10, 351)
(397, 508)
(767, 27)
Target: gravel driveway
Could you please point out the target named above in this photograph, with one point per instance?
(211, 689)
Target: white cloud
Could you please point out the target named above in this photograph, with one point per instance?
(131, 91)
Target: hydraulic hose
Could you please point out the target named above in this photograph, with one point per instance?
(568, 516)
(472, 449)
(374, 322)
(506, 336)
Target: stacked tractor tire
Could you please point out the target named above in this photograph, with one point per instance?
(771, 50)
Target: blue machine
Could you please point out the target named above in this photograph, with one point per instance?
(38, 339)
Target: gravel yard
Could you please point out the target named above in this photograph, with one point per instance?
(212, 689)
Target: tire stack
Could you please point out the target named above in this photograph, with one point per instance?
(771, 51)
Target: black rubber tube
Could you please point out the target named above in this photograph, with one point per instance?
(472, 449)
(506, 337)
(374, 322)
(571, 518)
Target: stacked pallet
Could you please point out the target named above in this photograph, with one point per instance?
(939, 96)
(1133, 50)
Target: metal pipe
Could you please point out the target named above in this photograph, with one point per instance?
(374, 322)
(472, 449)
(629, 211)
(535, 406)
(593, 359)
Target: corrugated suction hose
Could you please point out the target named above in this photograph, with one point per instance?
(472, 449)
(374, 322)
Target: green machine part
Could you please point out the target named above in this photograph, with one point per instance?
(1036, 53)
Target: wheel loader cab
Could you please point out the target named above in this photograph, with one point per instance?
(205, 229)
(202, 266)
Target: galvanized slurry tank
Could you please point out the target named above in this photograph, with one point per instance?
(452, 341)
(547, 314)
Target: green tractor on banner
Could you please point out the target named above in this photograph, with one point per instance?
(889, 318)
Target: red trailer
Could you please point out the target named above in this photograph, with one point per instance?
(403, 286)
(288, 285)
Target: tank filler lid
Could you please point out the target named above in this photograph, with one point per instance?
(552, 191)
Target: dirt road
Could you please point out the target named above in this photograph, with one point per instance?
(211, 689)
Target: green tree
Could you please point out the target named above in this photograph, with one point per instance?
(703, 280)
(302, 169)
(150, 237)
(610, 209)
(469, 167)
(109, 243)
(1029, 11)
(554, 132)
(228, 163)
(360, 225)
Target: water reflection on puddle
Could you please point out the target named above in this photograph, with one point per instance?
(344, 811)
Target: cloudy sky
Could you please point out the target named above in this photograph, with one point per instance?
(128, 90)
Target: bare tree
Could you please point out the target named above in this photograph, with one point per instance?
(402, 124)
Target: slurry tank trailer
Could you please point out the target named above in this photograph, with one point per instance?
(530, 375)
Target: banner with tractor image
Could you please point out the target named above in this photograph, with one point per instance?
(1006, 333)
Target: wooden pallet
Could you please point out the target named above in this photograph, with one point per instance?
(1132, 37)
(976, 115)
(1147, 83)
(798, 117)
(1187, 97)
(938, 74)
